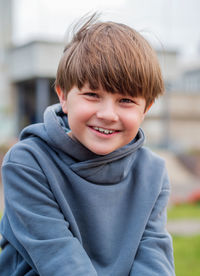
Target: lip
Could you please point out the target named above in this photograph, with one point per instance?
(101, 134)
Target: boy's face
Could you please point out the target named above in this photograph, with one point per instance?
(101, 121)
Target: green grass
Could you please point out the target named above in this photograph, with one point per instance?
(187, 255)
(184, 211)
(186, 248)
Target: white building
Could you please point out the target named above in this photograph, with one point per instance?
(27, 74)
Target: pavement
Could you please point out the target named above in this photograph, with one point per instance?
(184, 227)
(183, 184)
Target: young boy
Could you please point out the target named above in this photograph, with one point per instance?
(82, 194)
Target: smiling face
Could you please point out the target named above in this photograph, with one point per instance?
(102, 121)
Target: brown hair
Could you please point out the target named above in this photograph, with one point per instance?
(112, 56)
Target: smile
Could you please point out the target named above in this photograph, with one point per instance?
(103, 130)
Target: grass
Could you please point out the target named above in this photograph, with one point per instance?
(186, 248)
(184, 211)
(187, 255)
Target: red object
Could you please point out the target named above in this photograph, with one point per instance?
(194, 197)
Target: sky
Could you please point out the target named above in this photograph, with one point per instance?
(166, 23)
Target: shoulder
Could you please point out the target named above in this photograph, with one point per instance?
(25, 152)
(148, 157)
(152, 167)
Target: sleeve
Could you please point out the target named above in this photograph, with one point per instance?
(155, 252)
(39, 226)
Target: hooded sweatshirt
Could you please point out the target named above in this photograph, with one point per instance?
(70, 212)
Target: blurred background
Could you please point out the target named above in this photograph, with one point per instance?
(32, 38)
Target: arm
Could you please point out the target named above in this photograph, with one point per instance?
(39, 226)
(155, 254)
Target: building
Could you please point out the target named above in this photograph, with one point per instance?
(32, 70)
(27, 74)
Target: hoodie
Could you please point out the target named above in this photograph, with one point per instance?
(70, 212)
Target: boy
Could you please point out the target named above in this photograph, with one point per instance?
(82, 195)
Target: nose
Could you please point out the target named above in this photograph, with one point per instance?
(107, 111)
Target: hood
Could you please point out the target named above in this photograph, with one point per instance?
(110, 168)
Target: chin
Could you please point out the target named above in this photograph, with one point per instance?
(101, 152)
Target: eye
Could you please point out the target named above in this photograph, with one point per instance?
(91, 95)
(126, 100)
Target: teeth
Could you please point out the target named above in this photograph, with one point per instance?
(102, 130)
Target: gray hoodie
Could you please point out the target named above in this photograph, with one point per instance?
(70, 212)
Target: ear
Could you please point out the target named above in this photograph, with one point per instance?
(60, 94)
(62, 98)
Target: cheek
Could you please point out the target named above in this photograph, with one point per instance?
(132, 121)
(79, 114)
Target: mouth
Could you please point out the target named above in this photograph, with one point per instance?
(104, 130)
